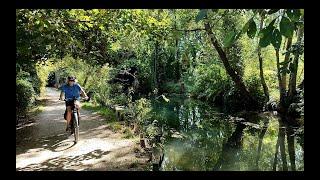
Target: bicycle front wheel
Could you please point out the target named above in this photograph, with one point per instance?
(76, 127)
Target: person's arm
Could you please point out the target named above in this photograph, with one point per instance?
(61, 95)
(82, 92)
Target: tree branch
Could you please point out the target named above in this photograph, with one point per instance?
(237, 79)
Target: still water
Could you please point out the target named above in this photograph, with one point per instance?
(200, 137)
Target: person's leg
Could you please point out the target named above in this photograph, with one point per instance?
(68, 116)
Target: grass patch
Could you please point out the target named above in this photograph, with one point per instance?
(112, 122)
(128, 133)
(33, 111)
(38, 107)
(36, 110)
(115, 126)
(104, 111)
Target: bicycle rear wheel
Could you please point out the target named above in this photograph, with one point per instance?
(76, 127)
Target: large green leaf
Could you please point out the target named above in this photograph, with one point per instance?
(202, 13)
(229, 39)
(264, 41)
(286, 27)
(276, 39)
(252, 29)
(246, 26)
(272, 23)
(265, 36)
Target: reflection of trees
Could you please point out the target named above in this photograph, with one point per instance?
(230, 149)
(261, 136)
(291, 149)
(284, 130)
(204, 141)
(200, 149)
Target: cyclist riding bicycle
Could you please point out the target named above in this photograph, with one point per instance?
(71, 90)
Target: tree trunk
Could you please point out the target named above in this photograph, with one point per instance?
(284, 44)
(293, 73)
(286, 58)
(281, 87)
(86, 78)
(142, 141)
(301, 74)
(263, 82)
(177, 68)
(301, 85)
(231, 72)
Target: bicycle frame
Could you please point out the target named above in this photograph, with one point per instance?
(74, 119)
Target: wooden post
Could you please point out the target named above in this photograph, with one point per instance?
(142, 141)
(119, 112)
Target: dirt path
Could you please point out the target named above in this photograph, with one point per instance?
(44, 144)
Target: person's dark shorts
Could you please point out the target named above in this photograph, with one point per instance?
(69, 103)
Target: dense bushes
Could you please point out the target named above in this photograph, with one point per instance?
(234, 102)
(27, 89)
(141, 113)
(172, 87)
(142, 109)
(97, 82)
(25, 96)
(94, 79)
(42, 75)
(208, 81)
(211, 83)
(30, 85)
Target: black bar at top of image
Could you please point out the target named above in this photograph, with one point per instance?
(203, 4)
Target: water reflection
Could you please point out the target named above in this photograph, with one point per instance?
(211, 141)
(230, 151)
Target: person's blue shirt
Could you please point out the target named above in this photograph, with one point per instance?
(71, 91)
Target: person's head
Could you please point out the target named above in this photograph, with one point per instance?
(71, 80)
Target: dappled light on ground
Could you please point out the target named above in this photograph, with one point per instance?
(46, 146)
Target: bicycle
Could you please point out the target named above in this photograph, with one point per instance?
(74, 119)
